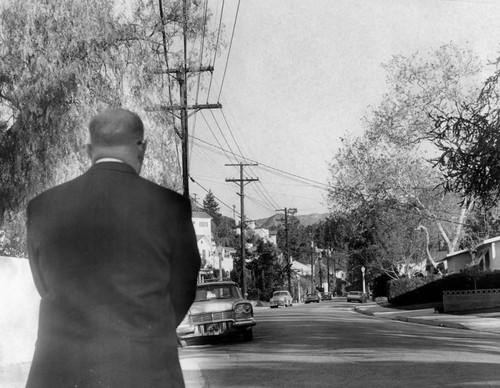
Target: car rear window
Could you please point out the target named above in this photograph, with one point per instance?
(216, 292)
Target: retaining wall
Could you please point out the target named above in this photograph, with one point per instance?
(19, 303)
(468, 300)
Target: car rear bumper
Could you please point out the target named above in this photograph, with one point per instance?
(213, 329)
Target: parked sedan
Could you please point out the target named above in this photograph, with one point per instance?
(356, 296)
(218, 310)
(281, 298)
(312, 298)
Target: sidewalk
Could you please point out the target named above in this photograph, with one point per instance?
(482, 322)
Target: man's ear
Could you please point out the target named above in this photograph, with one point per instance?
(90, 151)
(142, 152)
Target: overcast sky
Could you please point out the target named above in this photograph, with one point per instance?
(301, 74)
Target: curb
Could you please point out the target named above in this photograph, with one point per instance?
(429, 322)
(363, 311)
(421, 321)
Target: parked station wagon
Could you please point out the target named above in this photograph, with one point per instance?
(218, 310)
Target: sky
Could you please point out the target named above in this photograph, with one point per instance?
(300, 75)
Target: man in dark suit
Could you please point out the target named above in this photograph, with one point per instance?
(115, 260)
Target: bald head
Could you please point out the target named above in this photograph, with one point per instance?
(117, 133)
(116, 127)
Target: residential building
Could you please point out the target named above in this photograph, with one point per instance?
(203, 228)
(486, 257)
(213, 257)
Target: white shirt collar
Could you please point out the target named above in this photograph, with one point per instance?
(108, 160)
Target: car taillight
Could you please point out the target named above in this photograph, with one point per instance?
(242, 308)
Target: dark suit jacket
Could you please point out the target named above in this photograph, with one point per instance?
(115, 260)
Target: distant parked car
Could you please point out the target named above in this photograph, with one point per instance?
(326, 296)
(218, 310)
(312, 298)
(281, 298)
(356, 296)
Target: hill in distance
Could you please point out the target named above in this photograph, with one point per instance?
(278, 219)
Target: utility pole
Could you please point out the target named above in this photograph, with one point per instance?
(312, 266)
(287, 248)
(328, 270)
(242, 182)
(181, 75)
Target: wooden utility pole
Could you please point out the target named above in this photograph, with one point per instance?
(242, 181)
(312, 266)
(181, 75)
(328, 269)
(287, 248)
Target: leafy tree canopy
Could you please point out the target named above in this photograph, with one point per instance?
(63, 61)
(211, 206)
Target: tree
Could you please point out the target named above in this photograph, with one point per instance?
(61, 62)
(211, 206)
(225, 232)
(268, 272)
(468, 141)
(387, 163)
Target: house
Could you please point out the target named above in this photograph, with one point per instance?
(301, 269)
(263, 233)
(487, 254)
(226, 255)
(213, 257)
(485, 257)
(457, 261)
(203, 229)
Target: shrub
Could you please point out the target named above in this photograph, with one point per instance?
(403, 286)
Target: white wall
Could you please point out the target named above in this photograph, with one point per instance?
(19, 303)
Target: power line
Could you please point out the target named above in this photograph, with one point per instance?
(213, 134)
(201, 49)
(324, 186)
(229, 50)
(321, 185)
(215, 51)
(223, 136)
(206, 190)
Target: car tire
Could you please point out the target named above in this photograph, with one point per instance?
(248, 335)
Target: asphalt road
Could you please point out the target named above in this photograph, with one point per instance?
(330, 345)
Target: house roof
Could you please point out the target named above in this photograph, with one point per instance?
(202, 236)
(489, 241)
(439, 256)
(200, 214)
(452, 254)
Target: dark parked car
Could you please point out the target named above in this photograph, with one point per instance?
(312, 297)
(356, 296)
(218, 310)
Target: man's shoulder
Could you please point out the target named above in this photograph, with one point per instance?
(54, 191)
(163, 191)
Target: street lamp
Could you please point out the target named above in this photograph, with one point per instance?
(363, 273)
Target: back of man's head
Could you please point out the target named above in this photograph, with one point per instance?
(116, 126)
(117, 133)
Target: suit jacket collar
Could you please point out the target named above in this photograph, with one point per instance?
(113, 166)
